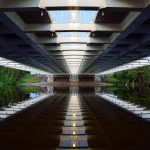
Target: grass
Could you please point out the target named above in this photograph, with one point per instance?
(111, 80)
(30, 89)
(30, 79)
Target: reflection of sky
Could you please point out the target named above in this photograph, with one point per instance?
(112, 95)
(73, 134)
(33, 95)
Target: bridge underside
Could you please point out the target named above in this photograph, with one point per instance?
(84, 37)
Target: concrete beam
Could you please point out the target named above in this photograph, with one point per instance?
(72, 27)
(128, 25)
(83, 40)
(126, 3)
(73, 4)
(73, 47)
(73, 53)
(12, 20)
(73, 40)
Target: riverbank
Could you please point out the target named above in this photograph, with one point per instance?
(88, 84)
(134, 77)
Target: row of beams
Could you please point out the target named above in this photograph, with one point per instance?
(135, 25)
(28, 38)
(115, 37)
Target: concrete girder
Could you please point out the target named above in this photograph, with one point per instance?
(74, 4)
(73, 47)
(18, 24)
(69, 27)
(144, 40)
(112, 38)
(75, 57)
(129, 4)
(86, 54)
(115, 38)
(85, 40)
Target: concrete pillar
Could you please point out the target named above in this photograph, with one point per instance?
(74, 78)
(50, 89)
(50, 78)
(74, 90)
(98, 78)
(98, 90)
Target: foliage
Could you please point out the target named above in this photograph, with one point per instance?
(31, 89)
(137, 95)
(138, 76)
(9, 76)
(28, 78)
(110, 79)
(11, 94)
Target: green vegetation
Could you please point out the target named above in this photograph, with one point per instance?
(31, 89)
(11, 87)
(137, 95)
(138, 76)
(28, 78)
(9, 76)
(11, 94)
(111, 79)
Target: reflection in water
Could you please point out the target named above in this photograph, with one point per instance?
(139, 96)
(33, 95)
(131, 107)
(16, 107)
(82, 121)
(73, 133)
(19, 100)
(11, 94)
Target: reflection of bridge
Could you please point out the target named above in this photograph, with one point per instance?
(17, 107)
(117, 33)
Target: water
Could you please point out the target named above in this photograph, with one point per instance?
(11, 94)
(138, 95)
(87, 118)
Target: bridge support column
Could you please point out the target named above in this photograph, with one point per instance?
(74, 78)
(50, 89)
(98, 78)
(50, 78)
(98, 90)
(74, 90)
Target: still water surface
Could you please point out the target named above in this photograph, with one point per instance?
(90, 118)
